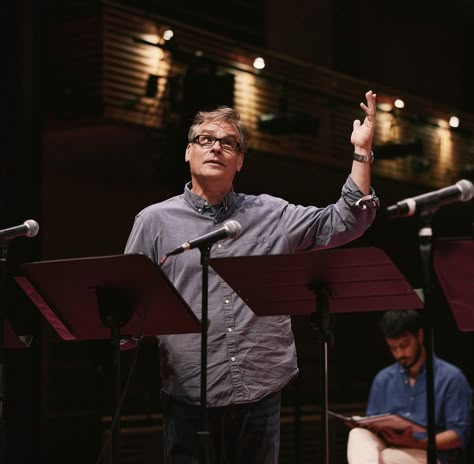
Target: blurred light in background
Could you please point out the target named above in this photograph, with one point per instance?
(259, 63)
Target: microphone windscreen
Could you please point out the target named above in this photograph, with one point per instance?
(32, 226)
(233, 228)
(467, 189)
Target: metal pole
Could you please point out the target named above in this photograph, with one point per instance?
(425, 243)
(203, 433)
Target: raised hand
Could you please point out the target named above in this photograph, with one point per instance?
(363, 133)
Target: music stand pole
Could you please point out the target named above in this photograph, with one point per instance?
(425, 246)
(115, 310)
(3, 299)
(116, 425)
(203, 433)
(320, 324)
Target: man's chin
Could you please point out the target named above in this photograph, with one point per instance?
(408, 365)
(214, 166)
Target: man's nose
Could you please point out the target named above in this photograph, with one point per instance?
(215, 145)
(398, 353)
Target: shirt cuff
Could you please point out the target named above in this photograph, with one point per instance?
(354, 197)
(368, 201)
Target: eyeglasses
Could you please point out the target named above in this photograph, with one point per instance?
(227, 143)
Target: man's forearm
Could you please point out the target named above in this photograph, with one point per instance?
(444, 441)
(447, 440)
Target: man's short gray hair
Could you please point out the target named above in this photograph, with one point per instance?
(221, 113)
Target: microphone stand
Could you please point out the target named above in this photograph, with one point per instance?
(3, 299)
(203, 433)
(425, 234)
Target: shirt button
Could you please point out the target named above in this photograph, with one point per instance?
(229, 330)
(408, 414)
(227, 301)
(219, 245)
(233, 358)
(411, 398)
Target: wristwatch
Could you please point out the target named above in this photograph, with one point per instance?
(363, 158)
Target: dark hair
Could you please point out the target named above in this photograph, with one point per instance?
(396, 323)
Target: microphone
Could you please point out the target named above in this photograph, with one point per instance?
(230, 229)
(462, 190)
(29, 228)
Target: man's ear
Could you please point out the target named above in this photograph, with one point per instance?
(420, 335)
(187, 155)
(240, 162)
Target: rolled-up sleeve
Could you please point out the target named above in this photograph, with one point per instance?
(311, 227)
(458, 408)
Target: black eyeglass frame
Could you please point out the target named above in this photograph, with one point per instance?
(217, 139)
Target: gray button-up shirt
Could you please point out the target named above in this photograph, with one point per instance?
(249, 357)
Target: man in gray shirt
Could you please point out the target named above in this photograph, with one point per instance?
(250, 359)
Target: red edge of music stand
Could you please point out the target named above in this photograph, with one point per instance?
(356, 280)
(64, 292)
(454, 265)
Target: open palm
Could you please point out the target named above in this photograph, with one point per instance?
(363, 133)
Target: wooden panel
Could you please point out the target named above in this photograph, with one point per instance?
(116, 46)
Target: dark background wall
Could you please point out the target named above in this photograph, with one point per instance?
(419, 47)
(94, 174)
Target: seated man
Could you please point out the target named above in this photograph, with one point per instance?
(401, 388)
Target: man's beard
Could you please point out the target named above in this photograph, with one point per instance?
(416, 358)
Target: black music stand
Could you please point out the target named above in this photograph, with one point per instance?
(454, 265)
(107, 297)
(317, 284)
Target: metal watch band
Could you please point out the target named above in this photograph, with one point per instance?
(364, 158)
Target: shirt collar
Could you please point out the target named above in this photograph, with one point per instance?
(422, 371)
(200, 204)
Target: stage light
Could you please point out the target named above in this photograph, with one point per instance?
(168, 34)
(454, 121)
(399, 103)
(259, 63)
